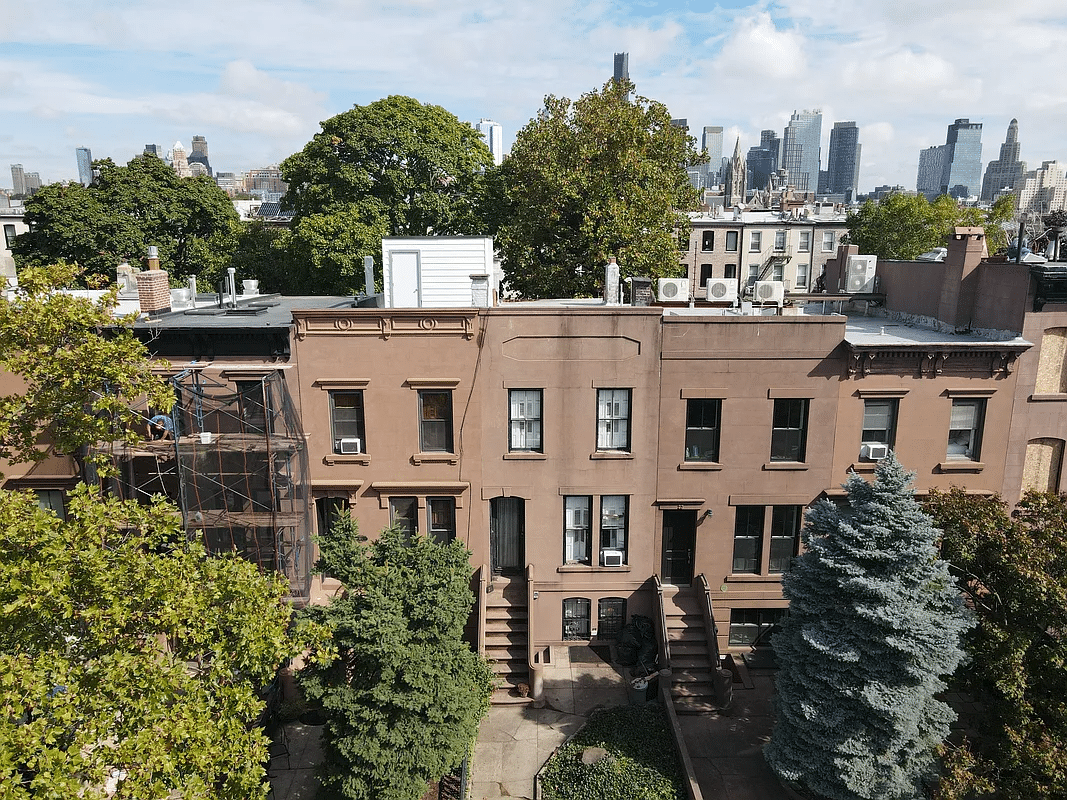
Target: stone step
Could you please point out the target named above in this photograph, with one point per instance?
(505, 651)
(689, 662)
(679, 621)
(505, 639)
(694, 706)
(682, 604)
(688, 649)
(692, 690)
(691, 675)
(688, 634)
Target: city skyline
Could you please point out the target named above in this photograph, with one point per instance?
(78, 75)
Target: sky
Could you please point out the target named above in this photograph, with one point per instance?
(256, 78)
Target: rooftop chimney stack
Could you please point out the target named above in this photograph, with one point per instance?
(153, 287)
(611, 282)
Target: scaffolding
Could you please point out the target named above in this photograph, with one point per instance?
(235, 463)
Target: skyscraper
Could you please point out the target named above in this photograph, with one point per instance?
(154, 150)
(493, 134)
(931, 169)
(1002, 173)
(712, 142)
(85, 165)
(622, 67)
(199, 154)
(800, 149)
(18, 180)
(762, 161)
(179, 161)
(962, 176)
(843, 160)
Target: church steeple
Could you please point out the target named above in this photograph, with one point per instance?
(734, 185)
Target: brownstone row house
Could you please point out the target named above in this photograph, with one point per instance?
(601, 460)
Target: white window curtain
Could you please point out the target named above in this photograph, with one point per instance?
(525, 420)
(613, 419)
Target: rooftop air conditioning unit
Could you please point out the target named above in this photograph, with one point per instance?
(873, 451)
(611, 558)
(722, 290)
(352, 446)
(674, 289)
(769, 292)
(861, 270)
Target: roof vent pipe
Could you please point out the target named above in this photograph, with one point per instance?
(611, 282)
(368, 275)
(153, 257)
(231, 276)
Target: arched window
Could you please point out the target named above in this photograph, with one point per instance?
(575, 618)
(1044, 461)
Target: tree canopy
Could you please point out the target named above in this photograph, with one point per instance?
(874, 622)
(125, 210)
(395, 167)
(401, 692)
(1013, 570)
(905, 226)
(601, 176)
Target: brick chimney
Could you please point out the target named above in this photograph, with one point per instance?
(959, 287)
(153, 287)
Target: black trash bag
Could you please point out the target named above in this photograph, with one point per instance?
(637, 643)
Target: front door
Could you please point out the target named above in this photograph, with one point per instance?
(507, 524)
(679, 541)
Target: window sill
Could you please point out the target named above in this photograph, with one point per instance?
(338, 458)
(709, 466)
(795, 466)
(1048, 398)
(863, 466)
(434, 458)
(588, 568)
(753, 578)
(523, 456)
(609, 455)
(961, 466)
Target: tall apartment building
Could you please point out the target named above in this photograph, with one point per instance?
(85, 165)
(265, 183)
(18, 180)
(179, 161)
(155, 150)
(711, 141)
(1042, 190)
(493, 134)
(199, 155)
(801, 149)
(1001, 175)
(843, 162)
(962, 176)
(762, 161)
(931, 171)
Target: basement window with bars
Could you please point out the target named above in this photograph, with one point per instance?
(611, 615)
(751, 625)
(576, 619)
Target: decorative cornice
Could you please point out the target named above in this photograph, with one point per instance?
(385, 323)
(994, 360)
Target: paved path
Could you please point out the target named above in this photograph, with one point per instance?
(514, 741)
(293, 778)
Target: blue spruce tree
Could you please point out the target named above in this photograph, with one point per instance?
(874, 623)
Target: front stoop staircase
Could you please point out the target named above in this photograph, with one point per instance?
(692, 688)
(506, 647)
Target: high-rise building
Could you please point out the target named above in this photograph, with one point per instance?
(85, 165)
(762, 161)
(1042, 190)
(1002, 174)
(154, 150)
(622, 69)
(931, 170)
(199, 154)
(800, 149)
(493, 134)
(712, 142)
(178, 161)
(33, 183)
(843, 160)
(962, 176)
(18, 180)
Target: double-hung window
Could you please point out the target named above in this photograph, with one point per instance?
(748, 539)
(965, 429)
(879, 421)
(759, 554)
(404, 514)
(441, 514)
(702, 423)
(804, 245)
(435, 421)
(347, 426)
(828, 241)
(779, 241)
(785, 537)
(755, 241)
(731, 241)
(707, 241)
(749, 624)
(613, 516)
(9, 236)
(613, 419)
(577, 517)
(789, 429)
(524, 420)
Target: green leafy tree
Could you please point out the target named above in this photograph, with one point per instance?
(395, 167)
(123, 212)
(905, 226)
(401, 692)
(1013, 570)
(80, 370)
(586, 180)
(130, 658)
(874, 621)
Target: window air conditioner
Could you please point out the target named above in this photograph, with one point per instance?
(860, 274)
(674, 289)
(874, 451)
(352, 446)
(611, 558)
(722, 290)
(769, 292)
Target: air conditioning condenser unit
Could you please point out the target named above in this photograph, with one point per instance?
(874, 451)
(722, 290)
(611, 558)
(353, 446)
(860, 274)
(769, 292)
(673, 290)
